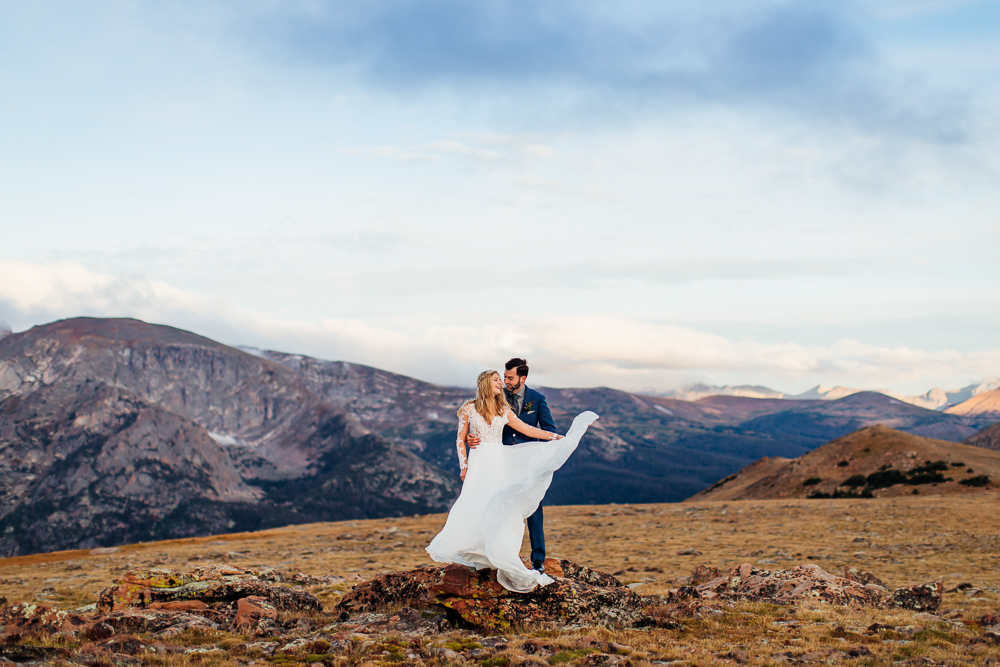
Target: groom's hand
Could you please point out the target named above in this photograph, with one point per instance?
(472, 441)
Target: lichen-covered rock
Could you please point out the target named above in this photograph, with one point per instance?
(208, 584)
(149, 621)
(127, 645)
(803, 582)
(253, 614)
(702, 574)
(860, 576)
(19, 653)
(32, 620)
(578, 595)
(926, 597)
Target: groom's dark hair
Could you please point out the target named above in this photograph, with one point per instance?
(520, 364)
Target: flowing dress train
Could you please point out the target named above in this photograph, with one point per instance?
(503, 486)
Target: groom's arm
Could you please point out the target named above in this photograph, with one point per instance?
(545, 421)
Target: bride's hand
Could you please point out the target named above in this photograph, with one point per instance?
(462, 474)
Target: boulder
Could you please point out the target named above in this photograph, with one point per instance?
(127, 645)
(926, 597)
(803, 582)
(990, 619)
(150, 621)
(19, 653)
(32, 620)
(861, 577)
(474, 597)
(208, 584)
(253, 614)
(702, 574)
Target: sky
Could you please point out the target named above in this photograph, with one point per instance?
(636, 195)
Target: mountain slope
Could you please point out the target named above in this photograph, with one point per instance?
(988, 438)
(118, 430)
(982, 406)
(874, 461)
(821, 421)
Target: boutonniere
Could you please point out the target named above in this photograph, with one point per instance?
(527, 406)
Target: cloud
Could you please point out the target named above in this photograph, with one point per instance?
(451, 347)
(817, 59)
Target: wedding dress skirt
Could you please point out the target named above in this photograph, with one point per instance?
(503, 486)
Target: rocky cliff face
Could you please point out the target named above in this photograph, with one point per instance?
(118, 431)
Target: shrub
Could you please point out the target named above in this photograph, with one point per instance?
(841, 493)
(978, 480)
(956, 464)
(812, 481)
(843, 464)
(854, 481)
(885, 478)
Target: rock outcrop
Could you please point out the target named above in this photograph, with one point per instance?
(811, 583)
(166, 590)
(791, 586)
(579, 595)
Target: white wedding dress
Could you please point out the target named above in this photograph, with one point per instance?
(503, 487)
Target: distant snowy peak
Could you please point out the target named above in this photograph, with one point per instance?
(819, 392)
(940, 399)
(935, 399)
(695, 391)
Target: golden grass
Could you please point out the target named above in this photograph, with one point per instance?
(901, 540)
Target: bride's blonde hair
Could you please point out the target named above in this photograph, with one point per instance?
(488, 404)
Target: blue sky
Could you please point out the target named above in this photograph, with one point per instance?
(779, 193)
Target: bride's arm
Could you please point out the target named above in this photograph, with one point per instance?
(530, 431)
(463, 432)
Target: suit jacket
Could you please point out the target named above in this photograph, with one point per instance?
(534, 412)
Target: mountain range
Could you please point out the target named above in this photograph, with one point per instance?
(934, 399)
(115, 430)
(643, 449)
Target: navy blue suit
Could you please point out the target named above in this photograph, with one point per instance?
(534, 412)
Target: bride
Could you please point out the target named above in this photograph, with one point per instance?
(502, 486)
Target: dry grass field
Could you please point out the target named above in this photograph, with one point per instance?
(902, 540)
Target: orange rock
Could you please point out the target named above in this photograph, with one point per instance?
(253, 614)
(180, 605)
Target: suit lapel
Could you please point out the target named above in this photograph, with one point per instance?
(527, 392)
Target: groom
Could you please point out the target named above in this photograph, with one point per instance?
(531, 408)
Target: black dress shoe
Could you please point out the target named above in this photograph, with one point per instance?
(538, 565)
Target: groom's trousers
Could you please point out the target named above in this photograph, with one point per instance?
(536, 534)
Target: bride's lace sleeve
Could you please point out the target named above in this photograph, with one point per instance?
(529, 431)
(463, 430)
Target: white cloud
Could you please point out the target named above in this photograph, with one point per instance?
(451, 347)
(71, 288)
